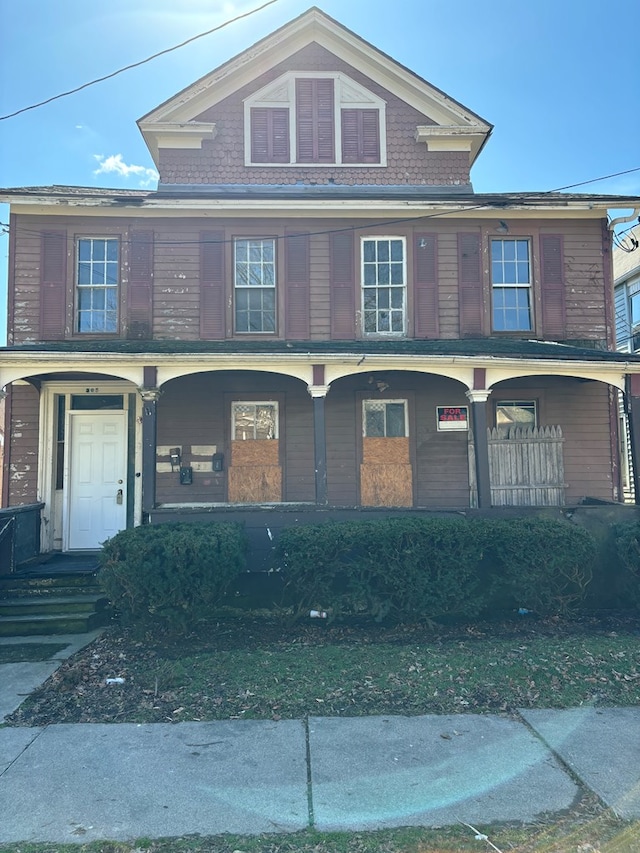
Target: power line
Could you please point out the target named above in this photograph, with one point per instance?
(137, 64)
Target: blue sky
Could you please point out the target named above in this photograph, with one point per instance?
(557, 78)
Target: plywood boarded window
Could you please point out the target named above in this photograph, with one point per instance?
(255, 474)
(386, 474)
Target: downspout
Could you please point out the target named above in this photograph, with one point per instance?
(620, 219)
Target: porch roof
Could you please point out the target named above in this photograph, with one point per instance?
(466, 347)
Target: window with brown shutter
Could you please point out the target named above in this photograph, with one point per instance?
(360, 136)
(315, 120)
(270, 135)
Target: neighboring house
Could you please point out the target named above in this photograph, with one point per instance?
(314, 309)
(626, 275)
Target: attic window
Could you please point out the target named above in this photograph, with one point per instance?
(325, 120)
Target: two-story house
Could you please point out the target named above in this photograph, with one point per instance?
(314, 309)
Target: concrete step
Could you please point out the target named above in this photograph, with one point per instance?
(27, 585)
(51, 605)
(36, 624)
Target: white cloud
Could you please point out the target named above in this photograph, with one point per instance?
(114, 164)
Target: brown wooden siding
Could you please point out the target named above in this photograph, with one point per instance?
(177, 262)
(442, 466)
(23, 462)
(222, 160)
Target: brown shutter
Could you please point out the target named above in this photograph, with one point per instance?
(342, 279)
(425, 268)
(469, 284)
(360, 136)
(296, 255)
(53, 285)
(269, 135)
(552, 286)
(140, 291)
(212, 317)
(315, 120)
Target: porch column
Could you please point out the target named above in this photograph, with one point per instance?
(632, 394)
(149, 424)
(478, 399)
(318, 391)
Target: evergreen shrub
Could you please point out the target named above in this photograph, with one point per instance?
(171, 574)
(402, 568)
(627, 549)
(537, 563)
(432, 568)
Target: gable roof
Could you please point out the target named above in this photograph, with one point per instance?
(178, 114)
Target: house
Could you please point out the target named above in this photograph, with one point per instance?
(626, 281)
(314, 310)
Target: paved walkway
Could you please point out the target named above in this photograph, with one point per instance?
(84, 782)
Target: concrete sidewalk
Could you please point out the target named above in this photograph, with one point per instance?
(84, 782)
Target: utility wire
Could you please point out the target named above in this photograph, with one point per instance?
(137, 64)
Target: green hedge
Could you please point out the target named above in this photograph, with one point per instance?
(171, 574)
(538, 564)
(627, 548)
(430, 568)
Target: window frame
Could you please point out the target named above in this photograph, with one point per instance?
(385, 402)
(79, 288)
(347, 94)
(513, 403)
(248, 288)
(514, 286)
(378, 286)
(255, 404)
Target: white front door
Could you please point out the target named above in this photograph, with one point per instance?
(96, 478)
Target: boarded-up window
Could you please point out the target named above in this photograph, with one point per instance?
(315, 121)
(270, 135)
(360, 136)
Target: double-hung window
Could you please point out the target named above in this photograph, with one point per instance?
(383, 285)
(384, 418)
(97, 280)
(511, 285)
(255, 285)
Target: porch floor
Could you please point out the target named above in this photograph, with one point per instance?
(50, 565)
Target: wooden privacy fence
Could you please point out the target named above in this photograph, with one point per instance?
(526, 466)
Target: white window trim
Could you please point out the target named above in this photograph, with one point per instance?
(282, 93)
(77, 287)
(385, 402)
(255, 403)
(513, 285)
(236, 288)
(389, 334)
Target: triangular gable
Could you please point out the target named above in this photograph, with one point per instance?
(174, 123)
